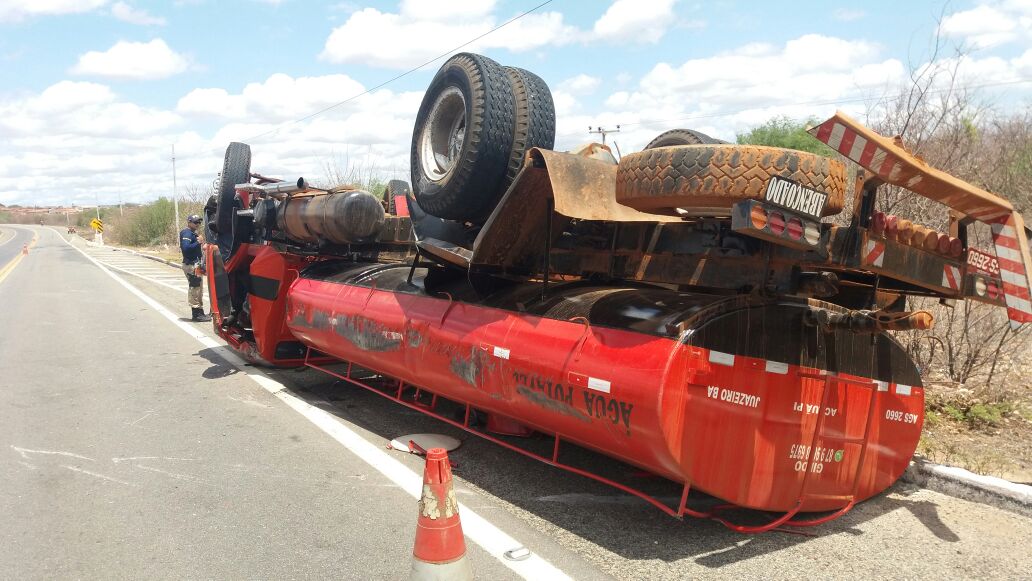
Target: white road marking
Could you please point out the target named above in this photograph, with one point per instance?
(138, 266)
(248, 401)
(25, 453)
(116, 460)
(492, 539)
(177, 476)
(180, 288)
(141, 418)
(95, 475)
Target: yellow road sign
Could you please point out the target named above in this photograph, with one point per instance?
(97, 225)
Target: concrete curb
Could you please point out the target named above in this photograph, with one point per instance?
(967, 485)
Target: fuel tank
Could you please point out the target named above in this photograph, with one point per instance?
(725, 393)
(338, 217)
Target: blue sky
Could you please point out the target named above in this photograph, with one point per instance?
(96, 92)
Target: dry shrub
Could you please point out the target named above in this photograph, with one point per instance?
(954, 129)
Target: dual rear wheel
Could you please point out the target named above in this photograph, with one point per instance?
(473, 129)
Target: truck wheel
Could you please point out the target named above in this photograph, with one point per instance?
(462, 139)
(394, 188)
(236, 169)
(535, 118)
(718, 176)
(682, 137)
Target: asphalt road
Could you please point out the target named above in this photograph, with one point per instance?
(129, 451)
(11, 242)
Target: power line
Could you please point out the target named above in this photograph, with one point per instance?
(397, 77)
(803, 104)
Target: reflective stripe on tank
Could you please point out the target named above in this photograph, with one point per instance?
(780, 368)
(721, 358)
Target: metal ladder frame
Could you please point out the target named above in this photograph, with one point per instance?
(818, 435)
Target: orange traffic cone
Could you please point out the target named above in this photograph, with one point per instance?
(25, 249)
(440, 551)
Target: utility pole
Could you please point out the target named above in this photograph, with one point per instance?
(120, 212)
(603, 132)
(175, 194)
(99, 237)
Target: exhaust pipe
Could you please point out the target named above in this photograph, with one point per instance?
(870, 321)
(278, 189)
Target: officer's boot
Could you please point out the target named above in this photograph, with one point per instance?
(199, 316)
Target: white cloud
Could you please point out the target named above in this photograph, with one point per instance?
(390, 40)
(79, 140)
(732, 91)
(991, 24)
(424, 30)
(531, 32)
(133, 60)
(81, 108)
(127, 13)
(213, 102)
(580, 84)
(279, 98)
(18, 10)
(982, 26)
(640, 21)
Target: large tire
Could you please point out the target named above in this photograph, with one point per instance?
(718, 176)
(462, 139)
(535, 118)
(394, 188)
(236, 169)
(682, 137)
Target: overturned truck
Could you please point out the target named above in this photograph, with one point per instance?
(692, 309)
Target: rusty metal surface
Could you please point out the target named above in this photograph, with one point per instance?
(585, 188)
(571, 186)
(445, 251)
(912, 265)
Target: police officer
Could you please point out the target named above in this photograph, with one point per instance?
(191, 248)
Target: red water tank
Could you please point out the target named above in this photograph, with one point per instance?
(721, 392)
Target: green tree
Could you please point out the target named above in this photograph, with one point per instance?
(786, 132)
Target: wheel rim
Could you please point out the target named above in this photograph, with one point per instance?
(443, 134)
